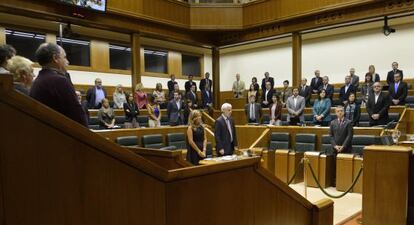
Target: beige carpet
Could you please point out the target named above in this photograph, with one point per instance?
(344, 208)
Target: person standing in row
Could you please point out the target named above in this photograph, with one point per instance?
(238, 87)
(196, 139)
(225, 132)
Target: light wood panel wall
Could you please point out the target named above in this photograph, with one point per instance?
(216, 17)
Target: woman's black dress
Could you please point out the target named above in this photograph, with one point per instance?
(198, 138)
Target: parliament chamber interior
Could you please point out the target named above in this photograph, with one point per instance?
(210, 112)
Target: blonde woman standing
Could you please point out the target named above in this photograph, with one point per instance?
(140, 96)
(196, 139)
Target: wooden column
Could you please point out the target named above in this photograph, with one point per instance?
(136, 59)
(385, 185)
(296, 59)
(2, 35)
(216, 77)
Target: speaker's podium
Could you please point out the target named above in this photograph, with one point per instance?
(286, 163)
(323, 165)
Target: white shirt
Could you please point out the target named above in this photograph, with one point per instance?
(376, 97)
(252, 112)
(295, 100)
(346, 88)
(178, 104)
(273, 110)
(267, 91)
(228, 127)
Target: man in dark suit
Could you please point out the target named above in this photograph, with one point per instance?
(207, 99)
(170, 85)
(398, 91)
(341, 132)
(174, 110)
(267, 95)
(206, 82)
(390, 76)
(52, 88)
(316, 82)
(189, 84)
(377, 106)
(267, 78)
(95, 94)
(354, 78)
(225, 132)
(253, 110)
(192, 96)
(346, 90)
(305, 91)
(329, 89)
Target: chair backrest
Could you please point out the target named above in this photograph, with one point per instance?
(393, 117)
(127, 141)
(93, 120)
(326, 146)
(305, 142)
(265, 119)
(152, 141)
(279, 140)
(165, 121)
(143, 121)
(120, 120)
(94, 127)
(177, 140)
(360, 141)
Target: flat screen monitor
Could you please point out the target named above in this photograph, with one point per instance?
(96, 5)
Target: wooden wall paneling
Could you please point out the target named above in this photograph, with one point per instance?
(137, 59)
(175, 65)
(247, 135)
(410, 122)
(296, 59)
(385, 185)
(2, 35)
(216, 17)
(99, 56)
(216, 78)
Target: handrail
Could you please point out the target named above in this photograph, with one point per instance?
(264, 133)
(210, 119)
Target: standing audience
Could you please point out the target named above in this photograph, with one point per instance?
(316, 82)
(52, 88)
(238, 87)
(207, 100)
(377, 106)
(252, 91)
(159, 96)
(322, 110)
(267, 95)
(286, 92)
(95, 94)
(206, 83)
(295, 106)
(188, 84)
(253, 110)
(188, 108)
(366, 89)
(192, 96)
(352, 110)
(395, 70)
(341, 132)
(6, 53)
(329, 88)
(354, 78)
(84, 105)
(171, 84)
(140, 96)
(106, 115)
(131, 112)
(154, 113)
(375, 76)
(174, 110)
(398, 90)
(346, 90)
(275, 111)
(266, 79)
(119, 97)
(255, 85)
(22, 70)
(305, 91)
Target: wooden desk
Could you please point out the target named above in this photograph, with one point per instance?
(344, 171)
(323, 166)
(236, 103)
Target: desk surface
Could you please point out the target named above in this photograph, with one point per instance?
(224, 159)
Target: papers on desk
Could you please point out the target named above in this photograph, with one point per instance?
(223, 158)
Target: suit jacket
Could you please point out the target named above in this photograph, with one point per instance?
(56, 91)
(278, 111)
(341, 134)
(188, 85)
(306, 93)
(329, 90)
(223, 138)
(399, 94)
(316, 82)
(170, 85)
(131, 111)
(300, 107)
(91, 96)
(355, 81)
(285, 94)
(343, 96)
(272, 83)
(257, 111)
(203, 83)
(322, 107)
(238, 90)
(381, 108)
(174, 113)
(192, 98)
(356, 116)
(269, 97)
(206, 99)
(390, 75)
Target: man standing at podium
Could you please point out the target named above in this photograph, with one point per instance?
(225, 132)
(341, 132)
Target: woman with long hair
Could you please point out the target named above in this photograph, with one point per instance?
(322, 109)
(196, 138)
(106, 115)
(140, 96)
(352, 110)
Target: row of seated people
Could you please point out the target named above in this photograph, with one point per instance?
(377, 106)
(95, 94)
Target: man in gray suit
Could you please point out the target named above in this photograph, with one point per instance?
(341, 132)
(354, 78)
(174, 111)
(295, 106)
(253, 110)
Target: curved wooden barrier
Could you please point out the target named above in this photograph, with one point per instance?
(54, 171)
